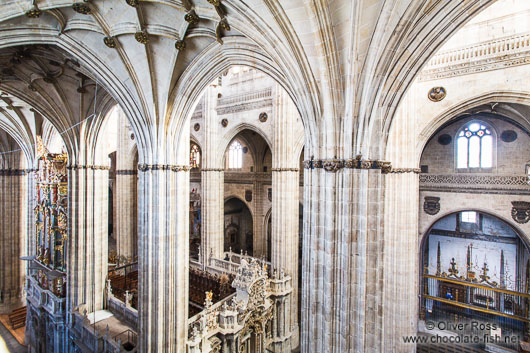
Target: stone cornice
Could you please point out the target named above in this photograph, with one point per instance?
(212, 170)
(126, 172)
(406, 170)
(285, 169)
(92, 167)
(15, 172)
(173, 168)
(334, 165)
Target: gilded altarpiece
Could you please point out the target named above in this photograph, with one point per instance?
(51, 221)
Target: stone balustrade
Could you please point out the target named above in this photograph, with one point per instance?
(45, 299)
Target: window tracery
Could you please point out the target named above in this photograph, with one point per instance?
(474, 146)
(235, 155)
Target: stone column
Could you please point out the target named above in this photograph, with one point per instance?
(212, 182)
(13, 235)
(125, 194)
(285, 180)
(401, 247)
(342, 258)
(163, 257)
(88, 237)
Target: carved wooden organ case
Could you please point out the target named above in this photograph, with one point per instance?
(51, 221)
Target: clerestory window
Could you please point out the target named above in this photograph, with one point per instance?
(235, 155)
(474, 146)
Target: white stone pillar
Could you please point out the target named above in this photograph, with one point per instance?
(13, 235)
(285, 196)
(163, 257)
(126, 194)
(125, 198)
(88, 236)
(212, 182)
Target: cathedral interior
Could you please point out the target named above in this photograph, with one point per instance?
(259, 176)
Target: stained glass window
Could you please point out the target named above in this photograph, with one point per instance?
(195, 156)
(474, 147)
(235, 155)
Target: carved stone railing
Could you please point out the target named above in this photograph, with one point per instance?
(123, 310)
(89, 339)
(247, 312)
(223, 265)
(242, 102)
(475, 183)
(508, 51)
(44, 298)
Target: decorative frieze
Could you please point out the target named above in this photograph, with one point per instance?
(126, 172)
(334, 165)
(93, 167)
(491, 184)
(515, 180)
(285, 169)
(173, 168)
(15, 172)
(406, 170)
(212, 170)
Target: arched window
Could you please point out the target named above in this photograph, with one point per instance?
(474, 146)
(195, 156)
(235, 155)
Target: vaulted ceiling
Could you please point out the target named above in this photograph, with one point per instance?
(345, 64)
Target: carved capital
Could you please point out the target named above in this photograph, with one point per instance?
(333, 165)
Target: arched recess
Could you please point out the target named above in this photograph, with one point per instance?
(463, 107)
(216, 60)
(394, 66)
(475, 267)
(238, 226)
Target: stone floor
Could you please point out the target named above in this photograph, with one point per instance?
(8, 343)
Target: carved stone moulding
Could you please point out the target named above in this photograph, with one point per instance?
(174, 168)
(110, 42)
(431, 205)
(436, 94)
(141, 37)
(333, 165)
(521, 211)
